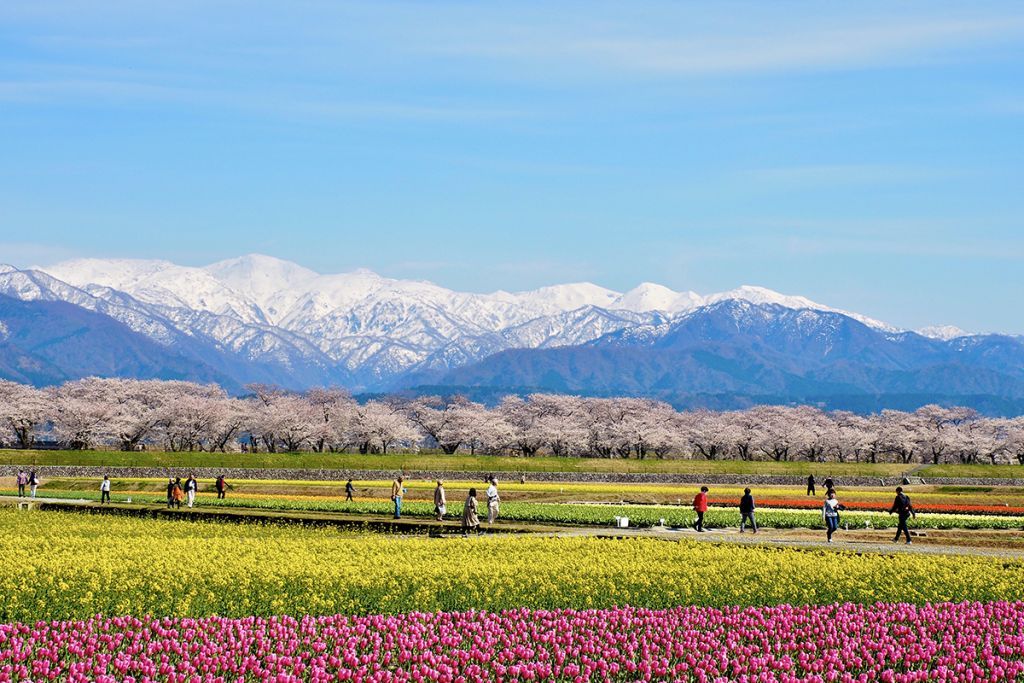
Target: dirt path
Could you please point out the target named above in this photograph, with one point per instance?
(1009, 544)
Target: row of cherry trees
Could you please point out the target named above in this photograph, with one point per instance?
(183, 416)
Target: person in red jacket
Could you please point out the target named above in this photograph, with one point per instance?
(700, 506)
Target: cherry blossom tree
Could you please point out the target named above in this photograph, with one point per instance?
(440, 420)
(23, 411)
(380, 426)
(82, 412)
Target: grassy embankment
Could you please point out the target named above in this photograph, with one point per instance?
(438, 462)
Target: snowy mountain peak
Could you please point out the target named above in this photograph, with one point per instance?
(557, 298)
(118, 273)
(763, 295)
(649, 296)
(359, 323)
(943, 332)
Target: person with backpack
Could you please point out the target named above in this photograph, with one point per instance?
(349, 490)
(810, 485)
(747, 511)
(177, 494)
(191, 488)
(105, 490)
(830, 513)
(222, 487)
(22, 482)
(904, 510)
(700, 506)
(33, 483)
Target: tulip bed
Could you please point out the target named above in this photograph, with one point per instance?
(601, 514)
(882, 642)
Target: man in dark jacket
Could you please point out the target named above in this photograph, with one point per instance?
(903, 509)
(747, 511)
(349, 490)
(810, 485)
(170, 492)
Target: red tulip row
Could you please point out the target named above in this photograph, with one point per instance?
(877, 506)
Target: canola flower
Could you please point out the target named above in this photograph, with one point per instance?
(897, 643)
(72, 566)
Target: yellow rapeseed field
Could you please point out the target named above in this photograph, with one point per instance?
(66, 565)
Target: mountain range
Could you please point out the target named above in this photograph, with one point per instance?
(261, 319)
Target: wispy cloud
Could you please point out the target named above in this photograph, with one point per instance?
(816, 175)
(800, 239)
(281, 102)
(746, 47)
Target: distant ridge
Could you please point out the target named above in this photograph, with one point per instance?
(259, 318)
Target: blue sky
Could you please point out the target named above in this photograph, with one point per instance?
(867, 155)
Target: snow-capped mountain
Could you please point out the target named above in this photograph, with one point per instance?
(943, 332)
(735, 353)
(259, 318)
(373, 327)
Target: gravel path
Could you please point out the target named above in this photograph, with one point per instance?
(960, 542)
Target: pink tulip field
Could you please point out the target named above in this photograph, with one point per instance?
(884, 642)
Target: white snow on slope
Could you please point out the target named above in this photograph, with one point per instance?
(383, 326)
(943, 332)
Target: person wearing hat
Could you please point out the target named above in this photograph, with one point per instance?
(440, 501)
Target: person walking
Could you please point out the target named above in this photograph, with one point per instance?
(493, 499)
(33, 483)
(904, 510)
(830, 513)
(22, 482)
(397, 491)
(177, 494)
(700, 506)
(170, 492)
(440, 501)
(829, 485)
(105, 490)
(349, 490)
(747, 511)
(191, 488)
(470, 520)
(222, 486)
(810, 485)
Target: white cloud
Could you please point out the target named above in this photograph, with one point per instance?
(682, 47)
